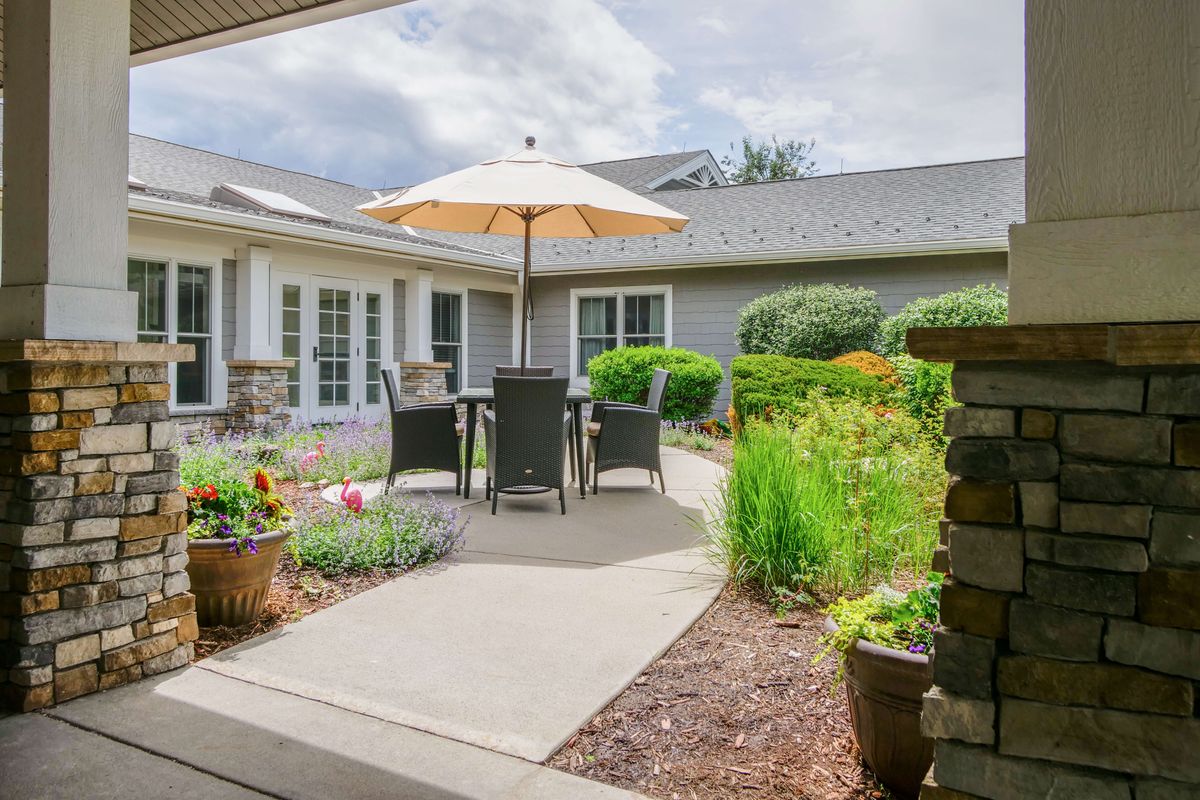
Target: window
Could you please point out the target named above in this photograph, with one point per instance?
(374, 342)
(290, 319)
(447, 335)
(609, 318)
(163, 287)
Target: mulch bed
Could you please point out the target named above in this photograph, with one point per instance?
(735, 709)
(295, 592)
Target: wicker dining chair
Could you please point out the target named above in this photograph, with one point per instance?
(526, 437)
(623, 435)
(424, 436)
(514, 371)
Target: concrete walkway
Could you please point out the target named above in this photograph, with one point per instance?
(456, 681)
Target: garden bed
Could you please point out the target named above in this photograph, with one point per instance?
(734, 709)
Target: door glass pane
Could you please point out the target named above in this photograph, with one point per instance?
(333, 347)
(374, 347)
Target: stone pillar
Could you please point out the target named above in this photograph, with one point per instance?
(66, 171)
(423, 382)
(93, 592)
(1068, 658)
(258, 398)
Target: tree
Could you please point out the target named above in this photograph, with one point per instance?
(762, 161)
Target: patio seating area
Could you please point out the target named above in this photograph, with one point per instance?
(456, 653)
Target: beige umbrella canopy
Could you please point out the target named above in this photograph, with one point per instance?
(526, 194)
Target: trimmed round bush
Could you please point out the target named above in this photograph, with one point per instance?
(966, 308)
(780, 383)
(817, 321)
(624, 375)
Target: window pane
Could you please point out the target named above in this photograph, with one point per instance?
(291, 320)
(446, 323)
(372, 393)
(149, 280)
(291, 296)
(193, 301)
(590, 346)
(645, 314)
(449, 353)
(191, 377)
(597, 316)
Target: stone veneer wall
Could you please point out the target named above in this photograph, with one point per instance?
(1068, 658)
(422, 382)
(258, 397)
(93, 592)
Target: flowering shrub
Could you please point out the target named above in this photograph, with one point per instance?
(355, 448)
(390, 532)
(234, 510)
(686, 434)
(884, 617)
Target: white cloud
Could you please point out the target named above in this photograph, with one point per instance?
(406, 94)
(714, 24)
(775, 107)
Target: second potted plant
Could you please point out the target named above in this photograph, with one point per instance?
(883, 641)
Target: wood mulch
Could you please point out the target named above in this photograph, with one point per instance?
(735, 709)
(295, 592)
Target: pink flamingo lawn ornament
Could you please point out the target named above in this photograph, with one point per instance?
(351, 497)
(311, 458)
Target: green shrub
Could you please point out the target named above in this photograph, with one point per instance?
(817, 321)
(391, 532)
(924, 390)
(966, 308)
(624, 375)
(782, 383)
(835, 499)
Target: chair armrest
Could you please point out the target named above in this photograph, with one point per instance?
(629, 420)
(601, 407)
(414, 406)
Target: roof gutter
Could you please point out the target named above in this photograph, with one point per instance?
(996, 244)
(156, 209)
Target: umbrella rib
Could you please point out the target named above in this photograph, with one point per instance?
(491, 221)
(587, 222)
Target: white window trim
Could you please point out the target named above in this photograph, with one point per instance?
(464, 364)
(619, 292)
(218, 388)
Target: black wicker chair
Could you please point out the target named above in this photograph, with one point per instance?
(623, 435)
(514, 371)
(526, 437)
(424, 436)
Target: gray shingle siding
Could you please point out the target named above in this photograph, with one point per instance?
(228, 307)
(706, 301)
(489, 334)
(398, 331)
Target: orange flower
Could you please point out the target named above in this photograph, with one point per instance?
(262, 481)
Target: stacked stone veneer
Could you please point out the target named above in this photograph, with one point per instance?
(422, 382)
(1068, 658)
(258, 397)
(93, 592)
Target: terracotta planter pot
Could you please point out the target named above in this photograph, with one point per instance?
(232, 589)
(884, 687)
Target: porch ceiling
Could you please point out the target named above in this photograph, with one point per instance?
(161, 29)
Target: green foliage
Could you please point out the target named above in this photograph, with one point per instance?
(782, 384)
(832, 499)
(624, 374)
(925, 390)
(391, 532)
(884, 617)
(817, 321)
(686, 435)
(966, 308)
(770, 162)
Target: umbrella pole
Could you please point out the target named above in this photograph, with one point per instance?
(525, 297)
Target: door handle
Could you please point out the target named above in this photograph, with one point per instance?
(314, 353)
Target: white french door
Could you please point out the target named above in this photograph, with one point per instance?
(338, 332)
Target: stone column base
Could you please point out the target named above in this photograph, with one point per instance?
(423, 381)
(258, 398)
(93, 592)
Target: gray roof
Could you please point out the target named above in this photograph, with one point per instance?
(635, 173)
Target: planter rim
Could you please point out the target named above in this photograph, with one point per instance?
(872, 649)
(223, 544)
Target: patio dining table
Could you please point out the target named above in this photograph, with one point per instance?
(472, 398)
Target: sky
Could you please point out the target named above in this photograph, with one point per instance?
(405, 94)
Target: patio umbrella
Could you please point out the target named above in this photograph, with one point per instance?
(528, 193)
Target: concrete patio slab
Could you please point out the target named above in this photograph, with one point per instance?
(42, 758)
(286, 746)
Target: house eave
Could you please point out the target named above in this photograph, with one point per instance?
(998, 244)
(158, 210)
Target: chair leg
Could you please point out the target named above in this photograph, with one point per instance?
(562, 500)
(651, 476)
(660, 480)
(595, 479)
(458, 476)
(495, 497)
(487, 488)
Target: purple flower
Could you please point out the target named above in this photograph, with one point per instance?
(916, 648)
(251, 546)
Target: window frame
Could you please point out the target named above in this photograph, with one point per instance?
(214, 372)
(619, 292)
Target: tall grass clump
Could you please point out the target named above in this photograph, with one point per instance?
(832, 500)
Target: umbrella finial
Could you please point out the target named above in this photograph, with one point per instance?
(530, 142)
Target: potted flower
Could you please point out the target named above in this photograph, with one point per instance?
(883, 641)
(236, 530)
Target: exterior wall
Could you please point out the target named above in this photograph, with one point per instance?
(1112, 195)
(398, 321)
(490, 330)
(706, 301)
(228, 307)
(1066, 661)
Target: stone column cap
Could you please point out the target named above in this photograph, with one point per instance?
(262, 363)
(69, 351)
(425, 365)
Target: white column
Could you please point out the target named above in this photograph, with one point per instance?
(66, 168)
(253, 330)
(418, 317)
